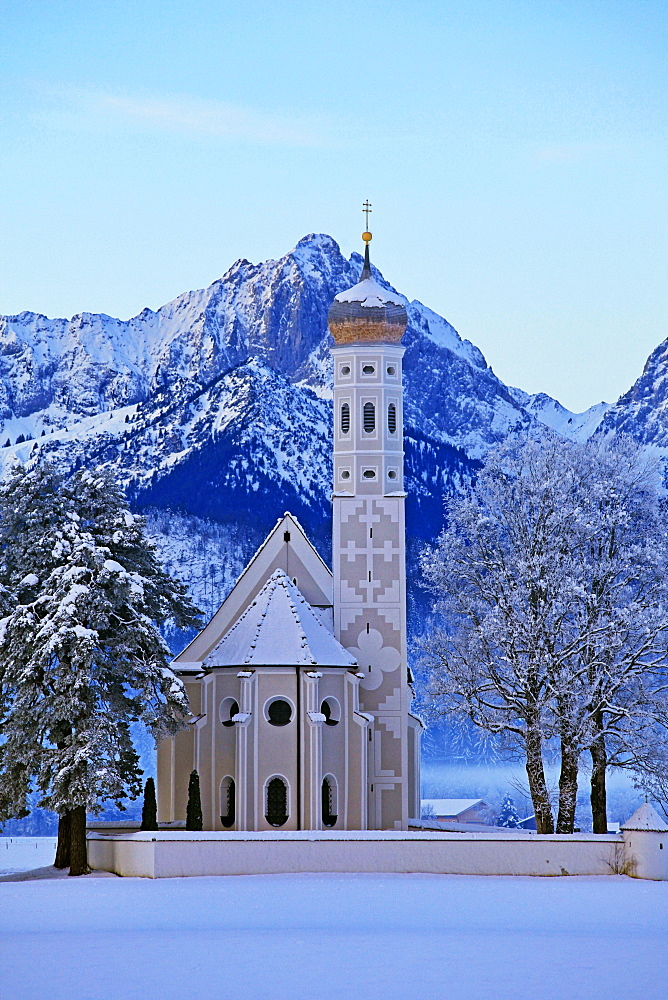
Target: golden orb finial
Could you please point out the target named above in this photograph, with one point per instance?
(367, 237)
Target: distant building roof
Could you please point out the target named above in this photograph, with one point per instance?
(279, 628)
(452, 807)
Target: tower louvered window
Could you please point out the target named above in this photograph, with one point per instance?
(345, 418)
(369, 418)
(277, 802)
(392, 418)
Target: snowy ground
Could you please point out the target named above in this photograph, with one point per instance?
(335, 937)
(20, 854)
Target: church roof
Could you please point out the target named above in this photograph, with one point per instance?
(286, 547)
(279, 628)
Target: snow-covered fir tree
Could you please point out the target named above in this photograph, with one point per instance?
(551, 578)
(81, 655)
(508, 816)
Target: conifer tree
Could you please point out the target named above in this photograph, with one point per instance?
(149, 813)
(81, 656)
(509, 816)
(194, 807)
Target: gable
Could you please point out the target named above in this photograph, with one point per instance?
(299, 561)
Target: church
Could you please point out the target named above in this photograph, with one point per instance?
(299, 686)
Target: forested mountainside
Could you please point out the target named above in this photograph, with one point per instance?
(217, 407)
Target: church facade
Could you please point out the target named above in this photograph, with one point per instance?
(299, 685)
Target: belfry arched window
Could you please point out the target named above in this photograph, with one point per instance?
(369, 417)
(345, 418)
(392, 418)
(329, 805)
(276, 806)
(227, 802)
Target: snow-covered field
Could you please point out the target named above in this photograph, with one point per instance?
(20, 854)
(335, 937)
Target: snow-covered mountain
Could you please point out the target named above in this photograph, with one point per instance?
(642, 412)
(218, 405)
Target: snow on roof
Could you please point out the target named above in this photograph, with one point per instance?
(645, 818)
(369, 293)
(451, 807)
(279, 628)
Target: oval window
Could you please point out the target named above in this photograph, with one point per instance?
(369, 473)
(345, 418)
(368, 369)
(369, 418)
(279, 712)
(276, 813)
(392, 418)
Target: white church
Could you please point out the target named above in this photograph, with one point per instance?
(299, 686)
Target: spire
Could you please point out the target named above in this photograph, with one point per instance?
(367, 237)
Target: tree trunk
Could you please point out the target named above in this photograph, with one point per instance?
(78, 852)
(568, 788)
(537, 784)
(63, 848)
(599, 761)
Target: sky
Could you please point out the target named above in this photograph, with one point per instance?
(515, 154)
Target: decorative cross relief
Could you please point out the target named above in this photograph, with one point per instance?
(374, 658)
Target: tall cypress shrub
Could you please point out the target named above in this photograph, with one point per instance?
(149, 812)
(194, 810)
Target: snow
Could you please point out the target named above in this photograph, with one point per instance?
(279, 627)
(362, 937)
(20, 854)
(370, 294)
(450, 807)
(29, 581)
(646, 818)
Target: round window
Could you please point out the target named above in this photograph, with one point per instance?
(279, 712)
(391, 370)
(345, 474)
(391, 474)
(345, 369)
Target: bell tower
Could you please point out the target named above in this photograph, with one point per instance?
(367, 323)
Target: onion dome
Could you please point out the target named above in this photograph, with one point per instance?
(367, 313)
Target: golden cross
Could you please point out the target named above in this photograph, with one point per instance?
(366, 208)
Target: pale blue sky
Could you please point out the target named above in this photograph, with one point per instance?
(515, 154)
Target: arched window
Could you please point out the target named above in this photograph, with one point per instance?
(345, 418)
(329, 805)
(279, 712)
(392, 418)
(227, 802)
(228, 709)
(331, 709)
(276, 811)
(369, 418)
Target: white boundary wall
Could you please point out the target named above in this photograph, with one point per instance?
(183, 853)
